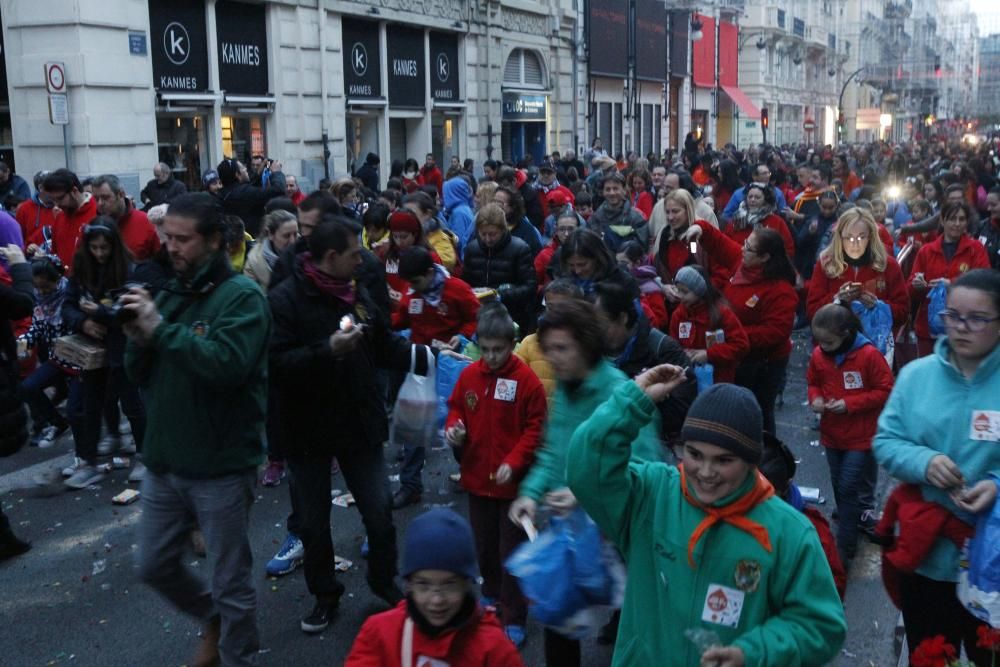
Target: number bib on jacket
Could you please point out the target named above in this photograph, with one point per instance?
(985, 425)
(506, 390)
(723, 605)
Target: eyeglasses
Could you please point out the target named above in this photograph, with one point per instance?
(855, 239)
(973, 323)
(748, 247)
(449, 589)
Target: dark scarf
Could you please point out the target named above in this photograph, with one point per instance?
(342, 290)
(464, 615)
(865, 259)
(844, 348)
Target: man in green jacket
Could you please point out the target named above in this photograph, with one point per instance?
(199, 353)
(712, 554)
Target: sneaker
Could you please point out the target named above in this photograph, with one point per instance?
(71, 469)
(515, 633)
(50, 434)
(84, 477)
(138, 472)
(319, 618)
(289, 556)
(109, 444)
(404, 498)
(868, 522)
(274, 473)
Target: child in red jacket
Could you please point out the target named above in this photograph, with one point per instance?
(495, 418)
(849, 382)
(440, 622)
(437, 306)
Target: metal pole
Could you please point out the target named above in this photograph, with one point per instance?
(66, 143)
(840, 101)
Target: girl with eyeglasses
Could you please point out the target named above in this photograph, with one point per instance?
(102, 267)
(547, 261)
(856, 267)
(757, 211)
(943, 260)
(940, 436)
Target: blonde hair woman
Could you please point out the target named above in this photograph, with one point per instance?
(856, 267)
(484, 193)
(678, 245)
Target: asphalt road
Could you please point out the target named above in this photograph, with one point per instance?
(75, 598)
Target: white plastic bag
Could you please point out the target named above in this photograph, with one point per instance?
(414, 420)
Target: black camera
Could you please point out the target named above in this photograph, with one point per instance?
(119, 312)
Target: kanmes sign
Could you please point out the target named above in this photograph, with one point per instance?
(242, 36)
(362, 76)
(180, 45)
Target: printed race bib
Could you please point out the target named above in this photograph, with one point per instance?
(392, 266)
(416, 306)
(723, 606)
(684, 330)
(985, 425)
(852, 380)
(505, 390)
(752, 301)
(717, 337)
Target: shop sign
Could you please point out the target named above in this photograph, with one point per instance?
(406, 62)
(444, 67)
(608, 44)
(180, 45)
(522, 108)
(362, 62)
(242, 35)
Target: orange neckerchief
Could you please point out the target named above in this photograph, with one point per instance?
(734, 513)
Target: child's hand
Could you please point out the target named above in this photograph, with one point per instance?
(522, 507)
(504, 474)
(943, 473)
(697, 357)
(979, 498)
(456, 434)
(838, 406)
(818, 405)
(562, 501)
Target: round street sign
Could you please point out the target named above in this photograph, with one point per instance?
(809, 125)
(55, 77)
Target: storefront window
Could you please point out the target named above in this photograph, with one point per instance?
(362, 139)
(243, 137)
(182, 145)
(444, 138)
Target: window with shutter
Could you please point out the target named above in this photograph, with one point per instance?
(524, 69)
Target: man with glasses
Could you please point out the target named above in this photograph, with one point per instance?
(762, 175)
(75, 208)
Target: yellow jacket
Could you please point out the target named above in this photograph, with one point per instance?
(530, 352)
(442, 244)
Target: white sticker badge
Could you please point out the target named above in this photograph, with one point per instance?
(684, 330)
(985, 425)
(723, 605)
(416, 306)
(852, 380)
(506, 390)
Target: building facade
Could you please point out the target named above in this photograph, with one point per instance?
(989, 78)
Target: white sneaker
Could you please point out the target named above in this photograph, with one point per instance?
(109, 444)
(71, 469)
(84, 477)
(50, 434)
(138, 472)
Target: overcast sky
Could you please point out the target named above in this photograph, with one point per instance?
(989, 15)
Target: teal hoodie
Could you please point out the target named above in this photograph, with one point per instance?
(566, 413)
(780, 607)
(931, 411)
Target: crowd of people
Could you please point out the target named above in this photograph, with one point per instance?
(626, 327)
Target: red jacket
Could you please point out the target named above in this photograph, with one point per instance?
(772, 221)
(889, 286)
(558, 193)
(498, 430)
(673, 255)
(688, 326)
(542, 261)
(643, 203)
(481, 642)
(864, 380)
(829, 544)
(456, 314)
(398, 288)
(32, 218)
(431, 176)
(66, 230)
(931, 262)
(138, 234)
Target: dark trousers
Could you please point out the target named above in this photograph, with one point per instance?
(364, 471)
(96, 385)
(765, 378)
(496, 538)
(848, 470)
(560, 650)
(43, 412)
(932, 608)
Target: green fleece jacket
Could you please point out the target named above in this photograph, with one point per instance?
(567, 411)
(780, 607)
(204, 376)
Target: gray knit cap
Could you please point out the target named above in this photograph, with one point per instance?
(692, 279)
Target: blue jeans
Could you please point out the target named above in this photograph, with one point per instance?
(33, 389)
(848, 470)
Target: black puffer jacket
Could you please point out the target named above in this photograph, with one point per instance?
(247, 201)
(508, 264)
(16, 302)
(326, 403)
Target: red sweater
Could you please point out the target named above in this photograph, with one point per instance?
(931, 262)
(643, 203)
(32, 218)
(829, 544)
(455, 314)
(688, 326)
(66, 230)
(542, 261)
(138, 234)
(673, 255)
(503, 424)
(889, 286)
(480, 642)
(431, 176)
(771, 222)
(864, 380)
(397, 286)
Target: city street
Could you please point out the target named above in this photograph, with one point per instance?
(75, 598)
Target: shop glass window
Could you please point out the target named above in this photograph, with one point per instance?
(181, 144)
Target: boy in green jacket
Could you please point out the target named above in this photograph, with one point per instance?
(708, 546)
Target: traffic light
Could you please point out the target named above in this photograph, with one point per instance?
(937, 66)
(763, 118)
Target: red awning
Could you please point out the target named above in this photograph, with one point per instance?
(742, 101)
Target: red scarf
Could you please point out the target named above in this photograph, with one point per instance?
(342, 290)
(733, 513)
(747, 276)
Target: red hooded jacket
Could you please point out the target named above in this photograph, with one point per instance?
(503, 413)
(671, 256)
(689, 326)
(66, 230)
(931, 262)
(33, 217)
(456, 314)
(889, 286)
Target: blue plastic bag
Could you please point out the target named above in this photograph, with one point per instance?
(705, 374)
(449, 368)
(876, 324)
(979, 568)
(935, 304)
(544, 569)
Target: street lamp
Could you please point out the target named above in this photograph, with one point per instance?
(840, 100)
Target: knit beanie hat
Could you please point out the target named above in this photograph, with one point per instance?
(439, 540)
(692, 279)
(727, 416)
(405, 221)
